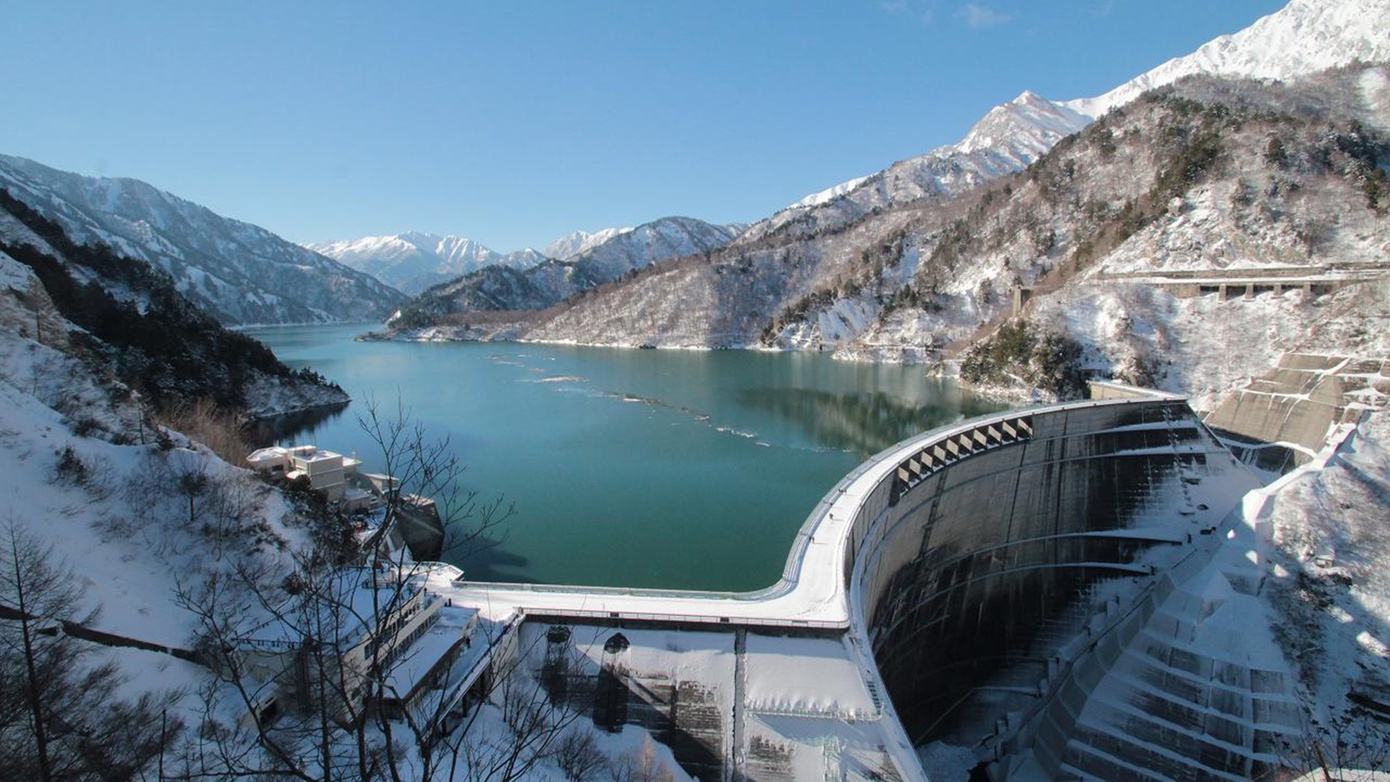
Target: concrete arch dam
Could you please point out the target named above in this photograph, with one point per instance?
(980, 563)
(967, 573)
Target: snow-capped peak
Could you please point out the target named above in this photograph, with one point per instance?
(1027, 120)
(415, 260)
(829, 193)
(398, 247)
(1008, 138)
(573, 244)
(1304, 37)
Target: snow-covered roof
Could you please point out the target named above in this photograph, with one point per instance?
(273, 454)
(429, 652)
(350, 599)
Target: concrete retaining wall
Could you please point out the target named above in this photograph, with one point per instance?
(1301, 400)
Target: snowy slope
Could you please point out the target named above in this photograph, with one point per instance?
(572, 244)
(1249, 214)
(1304, 37)
(1007, 139)
(239, 273)
(414, 261)
(1329, 584)
(114, 519)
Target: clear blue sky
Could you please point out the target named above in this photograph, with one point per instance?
(515, 121)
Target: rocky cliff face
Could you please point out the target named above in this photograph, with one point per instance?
(239, 273)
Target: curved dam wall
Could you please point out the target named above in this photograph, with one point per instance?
(987, 542)
(988, 577)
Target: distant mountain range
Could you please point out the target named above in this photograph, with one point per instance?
(414, 261)
(239, 273)
(593, 260)
(799, 265)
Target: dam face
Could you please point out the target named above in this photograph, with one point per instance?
(985, 554)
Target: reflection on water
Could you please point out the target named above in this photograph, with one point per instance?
(497, 563)
(862, 422)
(294, 426)
(684, 469)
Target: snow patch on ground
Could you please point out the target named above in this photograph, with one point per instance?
(1330, 574)
(805, 676)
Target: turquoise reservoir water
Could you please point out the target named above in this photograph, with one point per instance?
(649, 468)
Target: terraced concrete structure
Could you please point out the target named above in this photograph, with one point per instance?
(1296, 404)
(989, 578)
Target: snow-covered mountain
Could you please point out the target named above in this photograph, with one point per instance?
(572, 244)
(499, 288)
(130, 324)
(1007, 139)
(414, 261)
(669, 237)
(834, 258)
(239, 273)
(1304, 37)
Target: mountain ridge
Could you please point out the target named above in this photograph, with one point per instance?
(811, 277)
(240, 273)
(413, 261)
(1303, 37)
(497, 288)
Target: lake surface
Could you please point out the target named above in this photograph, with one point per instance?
(647, 468)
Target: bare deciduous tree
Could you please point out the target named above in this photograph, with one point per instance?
(60, 714)
(642, 765)
(342, 636)
(579, 757)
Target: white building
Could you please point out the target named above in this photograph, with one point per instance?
(362, 640)
(331, 474)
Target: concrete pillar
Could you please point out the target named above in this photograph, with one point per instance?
(1022, 296)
